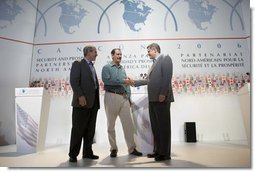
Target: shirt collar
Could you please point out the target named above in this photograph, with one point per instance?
(113, 64)
(87, 60)
(156, 58)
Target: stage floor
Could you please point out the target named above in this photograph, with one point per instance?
(184, 155)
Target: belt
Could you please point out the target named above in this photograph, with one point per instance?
(116, 92)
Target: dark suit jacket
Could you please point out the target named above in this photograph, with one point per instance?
(82, 83)
(159, 79)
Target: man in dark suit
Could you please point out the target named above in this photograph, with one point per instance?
(85, 104)
(160, 96)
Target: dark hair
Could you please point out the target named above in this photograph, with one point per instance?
(113, 51)
(154, 45)
(88, 49)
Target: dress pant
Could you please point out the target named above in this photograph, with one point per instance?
(161, 127)
(83, 128)
(118, 105)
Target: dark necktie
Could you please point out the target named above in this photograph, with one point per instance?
(91, 65)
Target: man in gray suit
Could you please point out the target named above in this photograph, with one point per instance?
(160, 96)
(85, 104)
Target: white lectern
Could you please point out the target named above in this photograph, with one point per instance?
(31, 112)
(244, 98)
(140, 111)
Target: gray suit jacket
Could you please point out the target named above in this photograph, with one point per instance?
(82, 83)
(159, 79)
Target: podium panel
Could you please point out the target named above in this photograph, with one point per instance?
(31, 112)
(143, 132)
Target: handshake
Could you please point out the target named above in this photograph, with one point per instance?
(129, 82)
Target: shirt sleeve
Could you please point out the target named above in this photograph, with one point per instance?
(111, 77)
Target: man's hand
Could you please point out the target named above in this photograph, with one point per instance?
(129, 81)
(82, 101)
(162, 98)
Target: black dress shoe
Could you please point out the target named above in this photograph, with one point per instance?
(113, 153)
(152, 155)
(72, 159)
(162, 158)
(90, 156)
(136, 153)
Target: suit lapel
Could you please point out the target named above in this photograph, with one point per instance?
(154, 64)
(86, 65)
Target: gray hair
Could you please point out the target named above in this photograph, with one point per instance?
(87, 49)
(154, 45)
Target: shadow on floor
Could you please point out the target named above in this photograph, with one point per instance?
(129, 161)
(79, 163)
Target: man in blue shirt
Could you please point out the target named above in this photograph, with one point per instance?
(116, 100)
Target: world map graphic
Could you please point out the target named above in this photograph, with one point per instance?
(200, 11)
(8, 11)
(71, 15)
(134, 15)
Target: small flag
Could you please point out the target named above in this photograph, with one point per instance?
(27, 128)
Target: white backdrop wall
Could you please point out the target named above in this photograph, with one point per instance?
(210, 52)
(15, 71)
(218, 119)
(16, 45)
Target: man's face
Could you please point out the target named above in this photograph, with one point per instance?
(152, 53)
(92, 55)
(116, 57)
